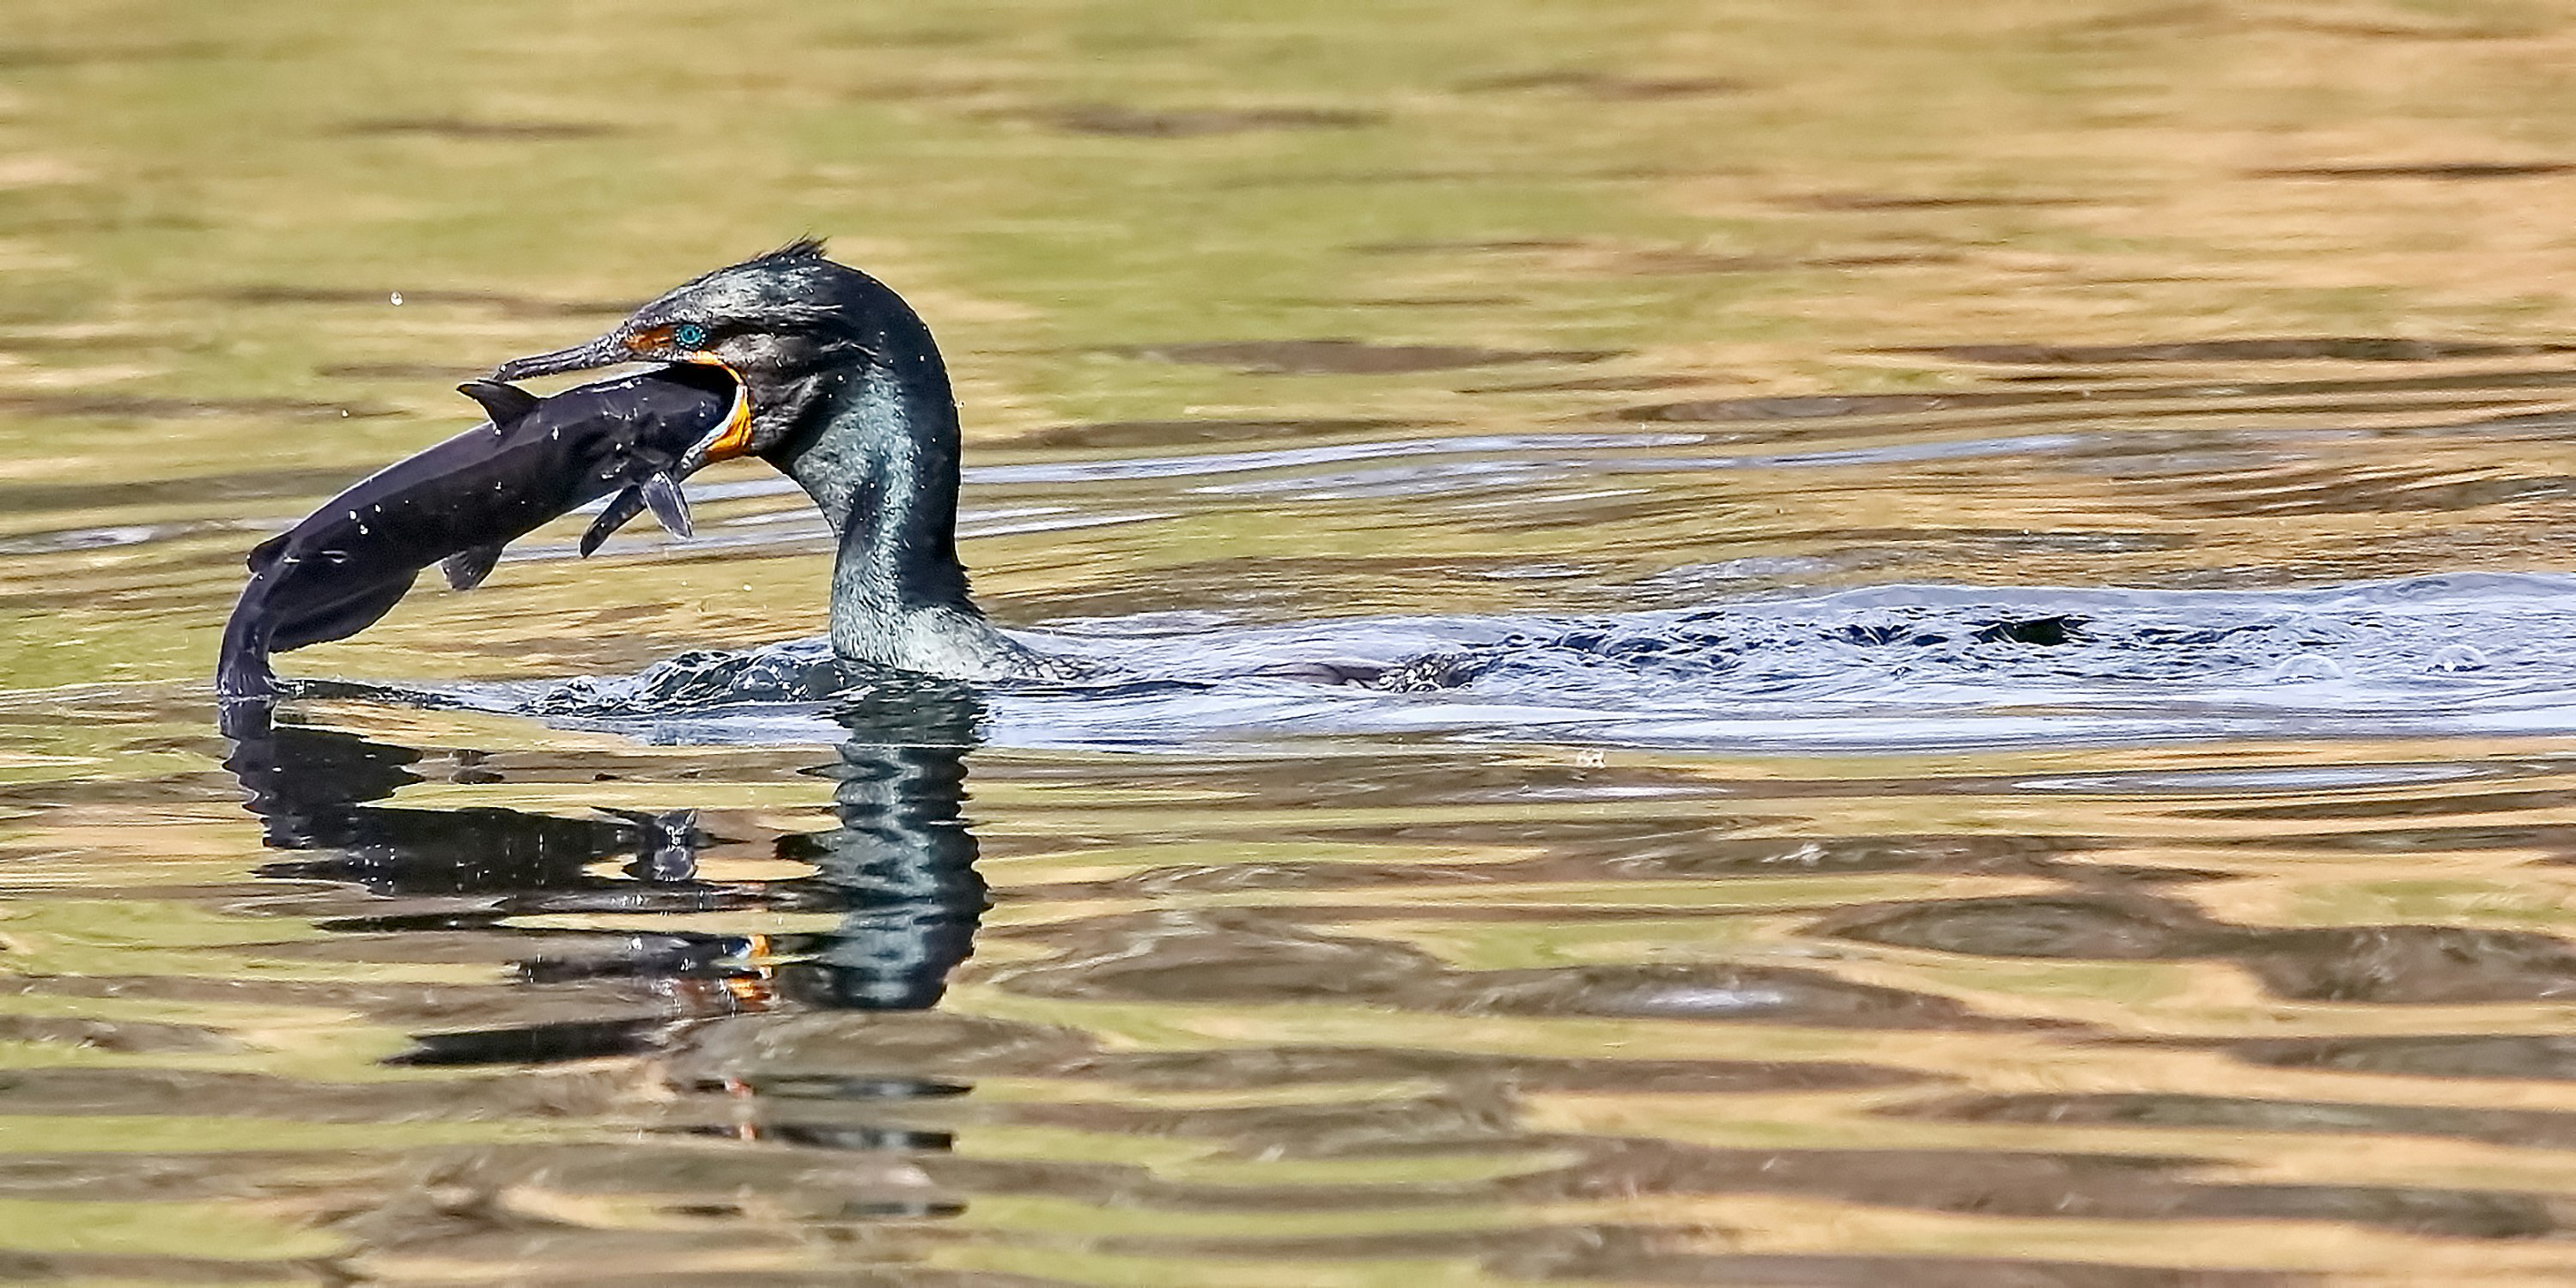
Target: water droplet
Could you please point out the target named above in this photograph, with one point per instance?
(397, 299)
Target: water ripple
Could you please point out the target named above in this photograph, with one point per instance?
(1881, 667)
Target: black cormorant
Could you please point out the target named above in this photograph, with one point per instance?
(849, 398)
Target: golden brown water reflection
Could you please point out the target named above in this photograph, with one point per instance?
(1580, 307)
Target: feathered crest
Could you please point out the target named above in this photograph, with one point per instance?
(805, 247)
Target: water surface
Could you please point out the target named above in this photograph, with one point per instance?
(1977, 602)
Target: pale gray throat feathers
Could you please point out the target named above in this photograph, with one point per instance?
(880, 462)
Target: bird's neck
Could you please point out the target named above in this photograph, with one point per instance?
(878, 453)
(881, 464)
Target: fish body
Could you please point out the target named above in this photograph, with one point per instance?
(458, 502)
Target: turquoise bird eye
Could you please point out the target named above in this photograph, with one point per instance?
(689, 335)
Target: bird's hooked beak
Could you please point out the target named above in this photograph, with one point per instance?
(607, 351)
(727, 441)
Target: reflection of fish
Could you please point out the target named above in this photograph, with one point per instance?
(456, 504)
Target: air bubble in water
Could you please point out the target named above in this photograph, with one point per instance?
(2307, 668)
(2458, 657)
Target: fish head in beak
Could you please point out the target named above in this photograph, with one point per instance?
(767, 322)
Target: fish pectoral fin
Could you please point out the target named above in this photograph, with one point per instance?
(466, 569)
(669, 505)
(264, 555)
(503, 403)
(660, 494)
(625, 505)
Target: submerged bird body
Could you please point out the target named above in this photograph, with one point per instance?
(458, 502)
(848, 397)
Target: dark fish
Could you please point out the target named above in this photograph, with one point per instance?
(456, 504)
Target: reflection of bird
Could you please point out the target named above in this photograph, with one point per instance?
(849, 398)
(899, 870)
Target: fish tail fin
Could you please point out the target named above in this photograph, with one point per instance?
(243, 670)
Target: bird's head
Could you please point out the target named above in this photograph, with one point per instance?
(773, 321)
